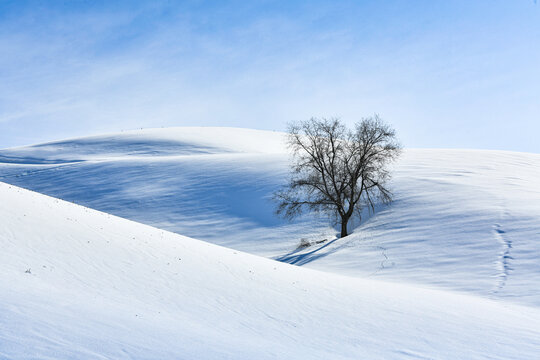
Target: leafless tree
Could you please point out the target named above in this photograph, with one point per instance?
(338, 171)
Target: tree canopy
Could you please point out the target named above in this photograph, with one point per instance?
(336, 170)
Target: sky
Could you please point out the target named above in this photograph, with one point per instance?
(445, 74)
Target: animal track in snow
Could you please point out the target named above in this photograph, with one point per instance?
(505, 257)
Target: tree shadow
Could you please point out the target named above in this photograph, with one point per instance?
(297, 257)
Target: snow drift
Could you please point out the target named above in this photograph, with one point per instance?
(76, 283)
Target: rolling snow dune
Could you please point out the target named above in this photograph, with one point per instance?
(78, 284)
(466, 220)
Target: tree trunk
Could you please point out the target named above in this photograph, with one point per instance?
(344, 222)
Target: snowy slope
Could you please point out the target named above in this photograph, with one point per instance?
(465, 220)
(78, 284)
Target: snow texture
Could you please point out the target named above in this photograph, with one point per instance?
(465, 220)
(81, 284)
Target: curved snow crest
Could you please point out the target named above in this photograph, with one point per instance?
(150, 142)
(78, 283)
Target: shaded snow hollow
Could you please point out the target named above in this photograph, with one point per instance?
(79, 284)
(465, 220)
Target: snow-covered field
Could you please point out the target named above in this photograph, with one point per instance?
(465, 220)
(450, 270)
(80, 284)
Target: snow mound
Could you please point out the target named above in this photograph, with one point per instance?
(149, 142)
(76, 283)
(466, 220)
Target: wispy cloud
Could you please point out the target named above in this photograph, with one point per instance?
(84, 67)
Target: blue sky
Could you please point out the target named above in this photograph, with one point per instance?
(446, 74)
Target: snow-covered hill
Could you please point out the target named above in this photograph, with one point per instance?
(466, 220)
(76, 283)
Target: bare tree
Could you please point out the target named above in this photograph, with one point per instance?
(338, 171)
